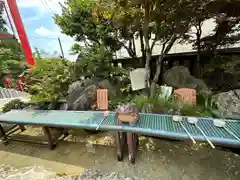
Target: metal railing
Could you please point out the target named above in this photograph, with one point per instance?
(11, 93)
(7, 95)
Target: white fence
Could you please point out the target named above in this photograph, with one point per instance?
(7, 95)
(11, 93)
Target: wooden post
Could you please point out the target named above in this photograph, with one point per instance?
(51, 142)
(22, 127)
(3, 135)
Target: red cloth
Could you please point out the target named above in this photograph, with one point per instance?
(20, 83)
(7, 82)
(21, 78)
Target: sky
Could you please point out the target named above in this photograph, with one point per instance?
(41, 29)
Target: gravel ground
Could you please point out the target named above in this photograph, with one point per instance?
(39, 173)
(81, 155)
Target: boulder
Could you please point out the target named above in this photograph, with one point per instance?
(180, 77)
(82, 94)
(86, 98)
(105, 84)
(228, 103)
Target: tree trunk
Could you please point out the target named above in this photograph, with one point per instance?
(134, 45)
(146, 39)
(197, 63)
(159, 63)
(156, 76)
(143, 59)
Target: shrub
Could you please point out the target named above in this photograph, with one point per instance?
(158, 105)
(14, 104)
(49, 80)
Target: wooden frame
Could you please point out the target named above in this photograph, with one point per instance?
(5, 135)
(126, 138)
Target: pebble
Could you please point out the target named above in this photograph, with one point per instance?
(39, 173)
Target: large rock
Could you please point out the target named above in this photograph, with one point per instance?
(105, 84)
(228, 103)
(180, 77)
(82, 94)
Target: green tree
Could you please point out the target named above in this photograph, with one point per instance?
(12, 60)
(201, 12)
(79, 19)
(159, 22)
(114, 24)
(226, 14)
(37, 54)
(94, 61)
(49, 79)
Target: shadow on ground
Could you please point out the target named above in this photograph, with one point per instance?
(156, 159)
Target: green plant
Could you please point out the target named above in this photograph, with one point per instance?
(94, 62)
(12, 60)
(14, 104)
(49, 80)
(197, 111)
(140, 100)
(228, 63)
(171, 106)
(153, 104)
(206, 101)
(117, 100)
(97, 62)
